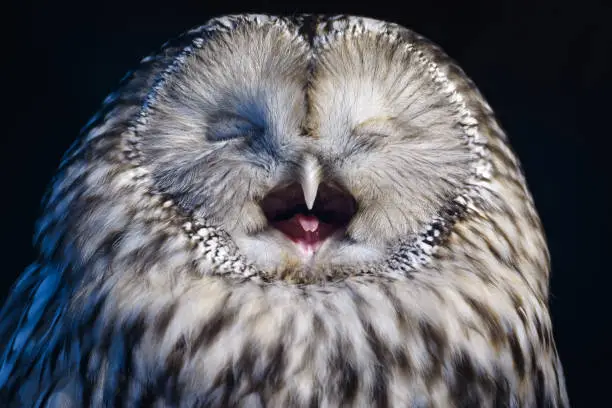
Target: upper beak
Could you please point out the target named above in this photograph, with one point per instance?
(310, 178)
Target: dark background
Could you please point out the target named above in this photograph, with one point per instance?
(544, 66)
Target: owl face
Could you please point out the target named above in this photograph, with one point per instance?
(309, 151)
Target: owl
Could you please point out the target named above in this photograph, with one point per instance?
(303, 211)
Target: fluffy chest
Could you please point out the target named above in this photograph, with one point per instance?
(354, 343)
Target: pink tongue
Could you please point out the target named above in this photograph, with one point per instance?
(308, 222)
(305, 230)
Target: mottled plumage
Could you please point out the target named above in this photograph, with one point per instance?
(168, 274)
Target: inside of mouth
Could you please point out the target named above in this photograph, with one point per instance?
(286, 211)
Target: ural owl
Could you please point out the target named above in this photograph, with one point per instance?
(287, 212)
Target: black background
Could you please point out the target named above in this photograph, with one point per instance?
(544, 67)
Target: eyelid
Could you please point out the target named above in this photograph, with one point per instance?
(379, 127)
(373, 132)
(227, 127)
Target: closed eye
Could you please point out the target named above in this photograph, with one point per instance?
(376, 128)
(226, 127)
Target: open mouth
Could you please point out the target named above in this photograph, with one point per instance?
(287, 211)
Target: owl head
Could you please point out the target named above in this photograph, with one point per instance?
(328, 194)
(310, 147)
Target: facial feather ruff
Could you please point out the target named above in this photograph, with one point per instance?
(287, 212)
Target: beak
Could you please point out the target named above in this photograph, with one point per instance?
(310, 178)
